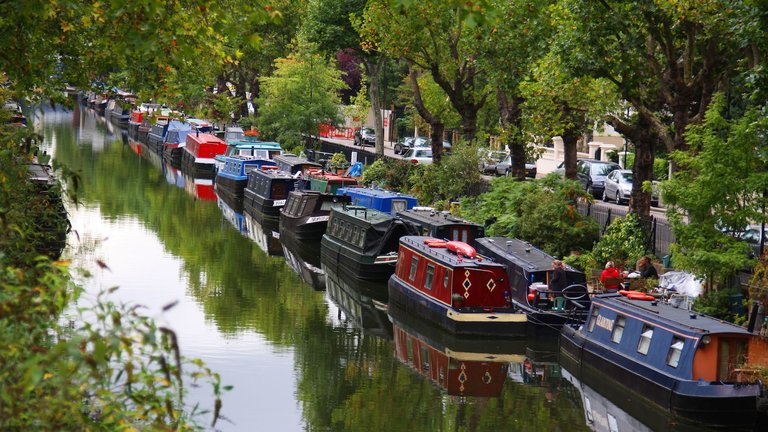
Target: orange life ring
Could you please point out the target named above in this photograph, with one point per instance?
(435, 243)
(461, 248)
(627, 292)
(640, 296)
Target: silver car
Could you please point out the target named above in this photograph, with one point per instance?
(618, 187)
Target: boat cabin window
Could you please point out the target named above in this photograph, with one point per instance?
(414, 266)
(618, 329)
(645, 340)
(675, 349)
(430, 275)
(593, 318)
(326, 205)
(459, 234)
(446, 278)
(399, 205)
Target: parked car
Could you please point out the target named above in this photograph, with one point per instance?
(752, 236)
(418, 156)
(489, 159)
(419, 142)
(404, 145)
(591, 173)
(618, 187)
(365, 137)
(505, 167)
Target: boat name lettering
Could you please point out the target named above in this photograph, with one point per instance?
(314, 219)
(604, 323)
(278, 203)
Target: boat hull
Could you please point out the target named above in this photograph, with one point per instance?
(498, 323)
(712, 404)
(304, 229)
(172, 154)
(255, 203)
(352, 263)
(197, 167)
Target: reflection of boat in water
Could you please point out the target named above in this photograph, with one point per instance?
(540, 366)
(235, 218)
(363, 303)
(609, 407)
(460, 366)
(200, 188)
(304, 260)
(266, 235)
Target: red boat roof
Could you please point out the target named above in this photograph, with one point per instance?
(204, 138)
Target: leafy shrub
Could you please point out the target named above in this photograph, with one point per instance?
(623, 242)
(392, 174)
(723, 304)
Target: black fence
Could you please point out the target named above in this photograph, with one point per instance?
(659, 231)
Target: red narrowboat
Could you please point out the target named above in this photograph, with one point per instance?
(448, 284)
(199, 153)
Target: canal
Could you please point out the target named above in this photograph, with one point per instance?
(303, 349)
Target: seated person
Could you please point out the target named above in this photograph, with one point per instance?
(646, 269)
(612, 273)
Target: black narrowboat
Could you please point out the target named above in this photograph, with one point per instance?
(680, 360)
(305, 214)
(360, 304)
(303, 257)
(293, 164)
(265, 234)
(450, 286)
(528, 270)
(266, 193)
(442, 224)
(156, 134)
(362, 242)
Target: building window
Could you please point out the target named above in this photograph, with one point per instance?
(645, 340)
(675, 350)
(593, 318)
(618, 329)
(414, 266)
(429, 276)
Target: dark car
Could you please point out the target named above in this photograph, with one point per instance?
(365, 137)
(489, 159)
(592, 173)
(505, 167)
(404, 145)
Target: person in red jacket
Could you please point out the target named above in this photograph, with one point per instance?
(610, 272)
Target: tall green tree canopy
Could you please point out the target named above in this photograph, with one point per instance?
(302, 93)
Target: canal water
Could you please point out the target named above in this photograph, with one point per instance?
(303, 349)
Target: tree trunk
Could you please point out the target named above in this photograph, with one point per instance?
(510, 117)
(644, 137)
(570, 152)
(373, 66)
(437, 126)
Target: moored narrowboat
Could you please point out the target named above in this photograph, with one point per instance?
(199, 152)
(305, 214)
(442, 224)
(449, 285)
(156, 134)
(137, 118)
(680, 360)
(266, 192)
(528, 270)
(251, 149)
(174, 142)
(326, 182)
(362, 243)
(294, 164)
(233, 177)
(380, 199)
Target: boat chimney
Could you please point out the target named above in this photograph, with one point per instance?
(693, 316)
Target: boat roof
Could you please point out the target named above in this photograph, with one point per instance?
(39, 173)
(178, 125)
(205, 138)
(683, 319)
(274, 174)
(198, 122)
(293, 160)
(432, 217)
(373, 192)
(417, 243)
(258, 145)
(363, 213)
(519, 252)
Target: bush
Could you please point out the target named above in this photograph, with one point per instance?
(724, 304)
(623, 242)
(392, 174)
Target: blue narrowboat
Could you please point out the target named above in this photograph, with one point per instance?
(233, 177)
(362, 243)
(175, 139)
(266, 192)
(680, 360)
(380, 199)
(442, 224)
(156, 134)
(294, 164)
(528, 271)
(450, 286)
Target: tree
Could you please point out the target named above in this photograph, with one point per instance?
(441, 47)
(718, 190)
(666, 58)
(302, 93)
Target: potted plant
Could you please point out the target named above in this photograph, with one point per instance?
(338, 163)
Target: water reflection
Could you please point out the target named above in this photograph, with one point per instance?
(304, 259)
(361, 304)
(235, 218)
(266, 235)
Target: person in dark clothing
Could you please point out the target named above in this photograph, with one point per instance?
(557, 280)
(646, 269)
